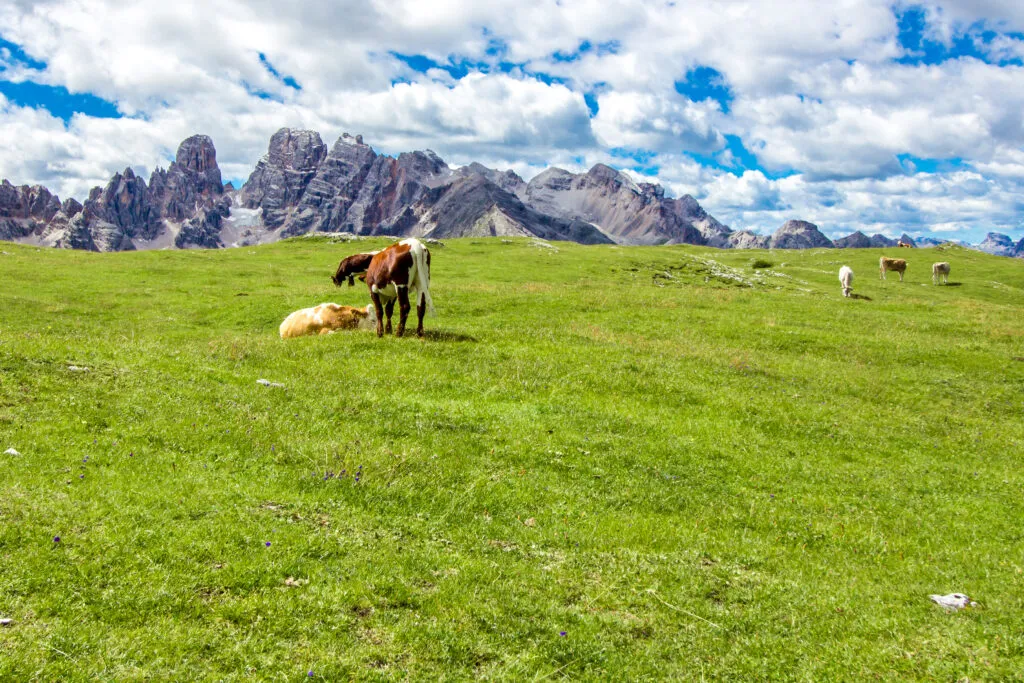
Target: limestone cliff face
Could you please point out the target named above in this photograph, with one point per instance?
(25, 210)
(628, 212)
(473, 206)
(283, 174)
(744, 239)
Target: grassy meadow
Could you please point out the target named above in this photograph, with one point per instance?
(602, 463)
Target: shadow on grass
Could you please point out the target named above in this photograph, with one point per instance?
(952, 284)
(446, 336)
(860, 296)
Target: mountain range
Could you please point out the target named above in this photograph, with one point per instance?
(301, 186)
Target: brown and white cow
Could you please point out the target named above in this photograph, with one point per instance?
(897, 264)
(901, 243)
(940, 270)
(324, 319)
(390, 275)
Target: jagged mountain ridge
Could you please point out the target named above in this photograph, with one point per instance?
(300, 186)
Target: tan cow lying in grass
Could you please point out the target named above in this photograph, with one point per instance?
(326, 318)
(897, 264)
(940, 269)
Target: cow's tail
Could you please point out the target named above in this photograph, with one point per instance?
(421, 260)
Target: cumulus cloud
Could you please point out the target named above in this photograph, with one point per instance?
(656, 122)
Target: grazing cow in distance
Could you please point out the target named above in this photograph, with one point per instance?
(896, 264)
(391, 274)
(350, 266)
(908, 245)
(940, 270)
(324, 319)
(846, 278)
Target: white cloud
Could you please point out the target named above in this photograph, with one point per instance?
(657, 122)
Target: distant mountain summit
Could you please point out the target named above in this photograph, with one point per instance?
(799, 235)
(628, 212)
(300, 186)
(1001, 245)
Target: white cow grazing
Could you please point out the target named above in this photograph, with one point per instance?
(940, 269)
(846, 278)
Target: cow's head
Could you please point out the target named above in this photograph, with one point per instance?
(354, 265)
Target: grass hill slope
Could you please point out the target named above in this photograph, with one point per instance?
(602, 463)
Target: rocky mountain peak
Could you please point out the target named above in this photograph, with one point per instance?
(282, 175)
(998, 244)
(197, 154)
(856, 240)
(296, 149)
(506, 180)
(797, 234)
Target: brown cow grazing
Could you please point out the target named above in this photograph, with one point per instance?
(896, 264)
(940, 270)
(908, 245)
(355, 265)
(390, 275)
(324, 319)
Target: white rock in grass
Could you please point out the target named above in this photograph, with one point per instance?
(268, 383)
(6, 622)
(11, 451)
(953, 601)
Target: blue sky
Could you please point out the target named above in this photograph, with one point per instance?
(884, 117)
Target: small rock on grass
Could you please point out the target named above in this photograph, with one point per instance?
(953, 601)
(6, 622)
(268, 383)
(11, 451)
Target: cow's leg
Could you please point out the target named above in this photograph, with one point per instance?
(403, 308)
(901, 276)
(421, 308)
(389, 308)
(379, 310)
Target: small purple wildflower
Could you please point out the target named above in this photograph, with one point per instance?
(56, 539)
(131, 454)
(562, 633)
(772, 496)
(271, 448)
(85, 459)
(81, 476)
(267, 544)
(310, 674)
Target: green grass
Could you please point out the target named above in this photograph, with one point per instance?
(696, 469)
